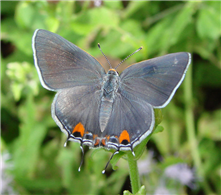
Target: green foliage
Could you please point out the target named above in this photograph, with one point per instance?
(189, 132)
(142, 191)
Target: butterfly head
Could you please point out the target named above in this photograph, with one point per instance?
(112, 72)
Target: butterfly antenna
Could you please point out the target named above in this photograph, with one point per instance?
(82, 158)
(116, 152)
(128, 57)
(104, 54)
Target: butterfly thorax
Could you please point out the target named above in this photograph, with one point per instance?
(110, 85)
(108, 92)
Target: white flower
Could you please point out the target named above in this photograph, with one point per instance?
(145, 166)
(5, 179)
(182, 173)
(162, 191)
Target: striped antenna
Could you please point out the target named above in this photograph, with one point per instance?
(128, 57)
(104, 54)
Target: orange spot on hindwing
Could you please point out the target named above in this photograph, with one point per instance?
(103, 142)
(124, 137)
(97, 142)
(78, 130)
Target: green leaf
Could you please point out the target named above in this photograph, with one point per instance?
(132, 33)
(23, 76)
(208, 150)
(209, 125)
(113, 4)
(182, 19)
(126, 192)
(24, 14)
(64, 11)
(40, 184)
(25, 43)
(169, 30)
(158, 116)
(32, 133)
(208, 23)
(134, 7)
(208, 75)
(52, 24)
(68, 163)
(142, 191)
(95, 18)
(158, 35)
(158, 129)
(116, 158)
(8, 7)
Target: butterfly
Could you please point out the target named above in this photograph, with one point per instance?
(100, 109)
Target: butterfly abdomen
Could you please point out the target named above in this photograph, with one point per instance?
(108, 92)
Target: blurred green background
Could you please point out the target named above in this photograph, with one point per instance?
(34, 160)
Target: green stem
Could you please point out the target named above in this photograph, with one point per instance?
(163, 14)
(134, 174)
(190, 119)
(192, 139)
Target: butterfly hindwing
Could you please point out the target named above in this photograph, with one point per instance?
(74, 106)
(61, 64)
(136, 118)
(156, 80)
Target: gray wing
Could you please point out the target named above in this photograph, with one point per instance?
(156, 80)
(61, 64)
(136, 117)
(77, 105)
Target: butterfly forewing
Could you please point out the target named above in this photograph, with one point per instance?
(61, 64)
(156, 80)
